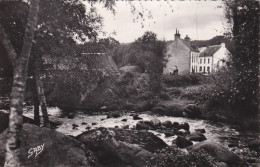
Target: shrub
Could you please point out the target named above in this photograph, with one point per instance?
(174, 157)
(164, 96)
(174, 92)
(182, 80)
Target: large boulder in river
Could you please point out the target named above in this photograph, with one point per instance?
(254, 145)
(217, 151)
(56, 149)
(196, 136)
(144, 125)
(184, 126)
(182, 142)
(115, 147)
(167, 124)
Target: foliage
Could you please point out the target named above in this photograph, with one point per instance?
(234, 90)
(147, 53)
(175, 157)
(58, 22)
(13, 18)
(128, 91)
(133, 88)
(148, 37)
(108, 43)
(244, 84)
(103, 45)
(144, 51)
(182, 80)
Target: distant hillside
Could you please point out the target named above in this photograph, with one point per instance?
(215, 41)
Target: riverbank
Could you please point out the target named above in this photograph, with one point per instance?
(230, 136)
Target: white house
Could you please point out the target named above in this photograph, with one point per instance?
(210, 59)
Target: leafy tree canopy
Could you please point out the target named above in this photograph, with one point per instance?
(148, 36)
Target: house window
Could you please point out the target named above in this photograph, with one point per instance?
(200, 61)
(200, 68)
(208, 69)
(204, 61)
(204, 69)
(196, 69)
(208, 60)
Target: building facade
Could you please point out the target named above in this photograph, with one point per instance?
(178, 55)
(210, 59)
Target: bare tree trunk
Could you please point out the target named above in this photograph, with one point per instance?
(40, 92)
(36, 103)
(20, 65)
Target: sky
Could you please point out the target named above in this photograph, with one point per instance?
(200, 20)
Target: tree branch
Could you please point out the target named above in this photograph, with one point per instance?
(8, 45)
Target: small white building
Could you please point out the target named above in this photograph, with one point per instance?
(210, 59)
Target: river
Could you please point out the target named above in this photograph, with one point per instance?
(222, 133)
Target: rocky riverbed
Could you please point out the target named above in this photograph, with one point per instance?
(229, 136)
(174, 131)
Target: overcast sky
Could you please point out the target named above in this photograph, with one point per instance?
(166, 17)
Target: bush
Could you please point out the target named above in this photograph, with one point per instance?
(164, 96)
(174, 157)
(174, 92)
(198, 92)
(129, 91)
(182, 80)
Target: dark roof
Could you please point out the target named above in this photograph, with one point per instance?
(210, 50)
(192, 48)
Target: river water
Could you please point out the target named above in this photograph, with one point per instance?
(215, 132)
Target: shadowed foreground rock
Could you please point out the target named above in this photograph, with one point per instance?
(217, 151)
(58, 149)
(254, 145)
(117, 147)
(181, 142)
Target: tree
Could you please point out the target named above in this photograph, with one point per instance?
(108, 44)
(148, 36)
(243, 14)
(53, 36)
(15, 24)
(20, 65)
(147, 52)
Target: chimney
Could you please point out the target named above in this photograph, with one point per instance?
(187, 39)
(223, 45)
(177, 35)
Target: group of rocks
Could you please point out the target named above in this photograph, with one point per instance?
(107, 147)
(181, 130)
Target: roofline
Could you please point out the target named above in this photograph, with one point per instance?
(183, 41)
